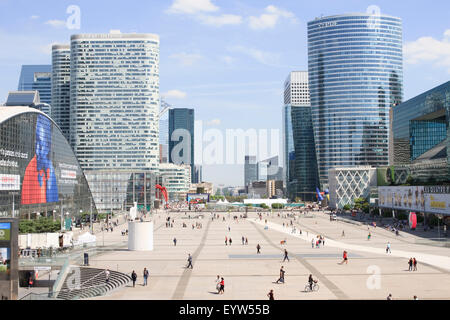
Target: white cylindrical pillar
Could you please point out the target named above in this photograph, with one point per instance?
(140, 236)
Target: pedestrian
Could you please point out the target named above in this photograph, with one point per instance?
(107, 274)
(230, 241)
(258, 247)
(312, 243)
(229, 229)
(344, 257)
(285, 255)
(270, 295)
(175, 242)
(343, 233)
(218, 284)
(134, 277)
(415, 264)
(243, 240)
(246, 240)
(282, 272)
(410, 264)
(368, 236)
(389, 297)
(145, 273)
(226, 241)
(388, 247)
(323, 241)
(415, 298)
(190, 262)
(222, 286)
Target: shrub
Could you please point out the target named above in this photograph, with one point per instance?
(41, 225)
(277, 206)
(347, 207)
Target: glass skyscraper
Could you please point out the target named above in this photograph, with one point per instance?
(37, 77)
(114, 100)
(355, 77)
(182, 118)
(61, 87)
(300, 165)
(250, 170)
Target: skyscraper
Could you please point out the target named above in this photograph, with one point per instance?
(37, 77)
(181, 126)
(355, 76)
(114, 85)
(164, 132)
(250, 170)
(61, 88)
(301, 175)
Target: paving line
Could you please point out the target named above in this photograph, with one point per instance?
(330, 285)
(184, 280)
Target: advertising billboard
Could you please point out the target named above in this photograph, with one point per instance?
(437, 199)
(197, 198)
(5, 231)
(9, 182)
(5, 259)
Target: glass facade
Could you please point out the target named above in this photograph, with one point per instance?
(61, 87)
(39, 172)
(250, 170)
(355, 77)
(37, 77)
(114, 101)
(182, 118)
(421, 123)
(177, 180)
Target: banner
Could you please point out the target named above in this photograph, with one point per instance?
(402, 198)
(9, 182)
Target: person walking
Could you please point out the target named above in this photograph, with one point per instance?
(243, 240)
(145, 274)
(282, 272)
(369, 236)
(312, 243)
(218, 284)
(246, 240)
(175, 242)
(343, 233)
(190, 262)
(388, 247)
(415, 264)
(389, 297)
(107, 274)
(222, 286)
(410, 264)
(230, 241)
(133, 278)
(226, 241)
(344, 258)
(270, 295)
(258, 247)
(285, 256)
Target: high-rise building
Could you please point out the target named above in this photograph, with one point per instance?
(300, 164)
(355, 77)
(177, 179)
(164, 132)
(250, 170)
(61, 88)
(181, 127)
(114, 100)
(198, 174)
(37, 77)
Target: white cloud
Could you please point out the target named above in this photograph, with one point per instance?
(429, 50)
(56, 23)
(192, 6)
(270, 18)
(174, 94)
(264, 57)
(186, 59)
(218, 21)
(34, 17)
(227, 59)
(213, 122)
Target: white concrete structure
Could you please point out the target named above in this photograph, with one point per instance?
(268, 202)
(140, 236)
(114, 101)
(347, 184)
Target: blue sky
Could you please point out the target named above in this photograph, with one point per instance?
(228, 59)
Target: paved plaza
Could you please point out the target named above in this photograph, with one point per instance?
(371, 273)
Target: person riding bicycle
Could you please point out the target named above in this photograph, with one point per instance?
(311, 281)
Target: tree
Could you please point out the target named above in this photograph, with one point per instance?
(346, 207)
(277, 206)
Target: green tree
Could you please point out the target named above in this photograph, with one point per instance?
(347, 207)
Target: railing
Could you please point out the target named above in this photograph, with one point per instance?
(60, 277)
(74, 294)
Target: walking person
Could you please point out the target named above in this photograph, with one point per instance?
(134, 277)
(415, 264)
(388, 247)
(243, 240)
(258, 247)
(246, 240)
(230, 241)
(270, 295)
(282, 272)
(343, 233)
(107, 274)
(175, 242)
(312, 243)
(190, 262)
(410, 264)
(145, 274)
(285, 256)
(218, 284)
(222, 286)
(389, 297)
(226, 241)
(344, 257)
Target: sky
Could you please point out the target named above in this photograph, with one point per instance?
(227, 59)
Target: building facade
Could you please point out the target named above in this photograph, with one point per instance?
(300, 165)
(177, 179)
(250, 170)
(114, 100)
(37, 77)
(39, 173)
(61, 87)
(181, 137)
(164, 132)
(355, 77)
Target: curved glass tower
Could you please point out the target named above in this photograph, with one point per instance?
(355, 77)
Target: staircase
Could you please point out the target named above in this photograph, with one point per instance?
(84, 283)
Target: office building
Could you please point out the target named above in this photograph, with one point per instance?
(355, 77)
(177, 180)
(27, 99)
(38, 77)
(164, 132)
(114, 101)
(181, 127)
(61, 87)
(250, 170)
(300, 165)
(198, 174)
